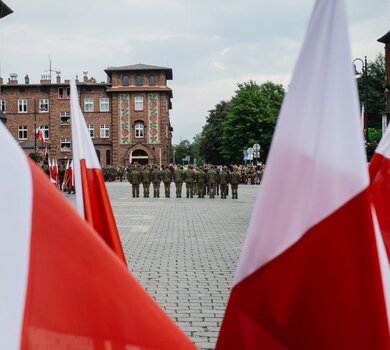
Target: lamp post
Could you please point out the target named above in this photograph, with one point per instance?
(364, 72)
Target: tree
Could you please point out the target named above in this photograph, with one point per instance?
(182, 150)
(212, 133)
(251, 118)
(196, 149)
(376, 81)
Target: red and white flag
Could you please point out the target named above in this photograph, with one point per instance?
(51, 173)
(380, 186)
(39, 135)
(313, 272)
(61, 287)
(92, 200)
(66, 177)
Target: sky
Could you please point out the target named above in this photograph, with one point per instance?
(211, 45)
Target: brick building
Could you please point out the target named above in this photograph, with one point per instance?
(127, 116)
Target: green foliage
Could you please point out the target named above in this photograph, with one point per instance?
(37, 157)
(182, 150)
(196, 149)
(374, 136)
(251, 118)
(212, 134)
(376, 81)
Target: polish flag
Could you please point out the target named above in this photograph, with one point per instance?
(39, 135)
(65, 179)
(61, 287)
(313, 272)
(380, 186)
(92, 201)
(50, 163)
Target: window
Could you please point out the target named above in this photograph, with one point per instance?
(88, 105)
(152, 80)
(43, 105)
(104, 105)
(64, 92)
(104, 130)
(22, 132)
(139, 103)
(65, 145)
(138, 80)
(45, 129)
(125, 80)
(91, 130)
(98, 155)
(64, 118)
(139, 129)
(108, 157)
(3, 105)
(22, 106)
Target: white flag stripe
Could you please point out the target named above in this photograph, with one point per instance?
(332, 175)
(384, 144)
(15, 217)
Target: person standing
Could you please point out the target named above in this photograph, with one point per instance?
(178, 177)
(167, 179)
(224, 181)
(200, 180)
(234, 181)
(156, 181)
(146, 178)
(212, 181)
(135, 180)
(189, 178)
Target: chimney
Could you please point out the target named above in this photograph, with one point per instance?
(13, 79)
(58, 78)
(85, 77)
(45, 79)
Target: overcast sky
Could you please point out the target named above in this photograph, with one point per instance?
(211, 45)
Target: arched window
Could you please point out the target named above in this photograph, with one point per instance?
(139, 129)
(98, 155)
(138, 80)
(152, 80)
(108, 157)
(125, 80)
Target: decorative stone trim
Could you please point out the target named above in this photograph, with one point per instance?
(124, 119)
(153, 118)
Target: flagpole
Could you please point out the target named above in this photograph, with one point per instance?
(35, 127)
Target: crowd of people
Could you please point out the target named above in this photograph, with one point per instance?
(199, 181)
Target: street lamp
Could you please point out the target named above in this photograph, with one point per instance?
(365, 81)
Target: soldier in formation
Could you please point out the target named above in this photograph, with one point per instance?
(167, 179)
(134, 177)
(156, 181)
(189, 178)
(178, 177)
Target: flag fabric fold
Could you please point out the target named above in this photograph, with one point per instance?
(92, 199)
(380, 186)
(310, 274)
(61, 286)
(39, 135)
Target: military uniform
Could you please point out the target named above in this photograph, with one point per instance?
(156, 180)
(167, 179)
(224, 182)
(146, 178)
(178, 177)
(200, 180)
(135, 180)
(212, 181)
(189, 178)
(234, 181)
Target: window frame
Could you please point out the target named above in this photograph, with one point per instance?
(41, 103)
(23, 106)
(64, 140)
(101, 103)
(88, 103)
(91, 130)
(154, 78)
(3, 105)
(138, 80)
(65, 115)
(104, 131)
(138, 105)
(24, 130)
(140, 127)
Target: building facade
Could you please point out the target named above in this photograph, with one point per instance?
(127, 116)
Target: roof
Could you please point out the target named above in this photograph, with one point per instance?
(385, 38)
(140, 67)
(4, 10)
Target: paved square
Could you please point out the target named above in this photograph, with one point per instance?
(184, 252)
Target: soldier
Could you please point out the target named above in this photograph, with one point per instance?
(135, 180)
(234, 181)
(224, 181)
(189, 178)
(211, 181)
(121, 171)
(146, 178)
(167, 179)
(200, 180)
(178, 177)
(156, 180)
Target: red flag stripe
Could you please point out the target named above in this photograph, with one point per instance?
(79, 293)
(323, 313)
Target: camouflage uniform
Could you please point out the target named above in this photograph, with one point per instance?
(178, 177)
(156, 180)
(167, 179)
(224, 181)
(146, 178)
(135, 180)
(234, 181)
(189, 179)
(200, 180)
(211, 181)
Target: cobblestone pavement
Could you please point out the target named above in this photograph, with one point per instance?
(184, 252)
